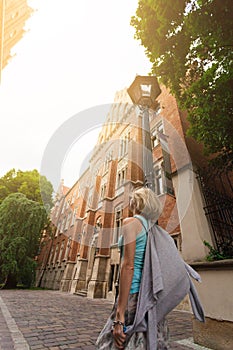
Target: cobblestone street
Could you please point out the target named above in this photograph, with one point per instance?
(58, 321)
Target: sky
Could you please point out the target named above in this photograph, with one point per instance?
(74, 56)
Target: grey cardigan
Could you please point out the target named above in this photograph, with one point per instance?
(165, 282)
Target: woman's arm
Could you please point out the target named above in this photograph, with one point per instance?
(127, 267)
(131, 227)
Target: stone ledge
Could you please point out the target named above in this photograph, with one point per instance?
(82, 259)
(209, 265)
(102, 256)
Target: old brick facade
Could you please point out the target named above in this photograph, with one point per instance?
(81, 254)
(13, 15)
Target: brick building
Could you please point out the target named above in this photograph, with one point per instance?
(81, 254)
(13, 16)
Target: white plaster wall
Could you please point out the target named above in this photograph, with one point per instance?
(215, 293)
(193, 222)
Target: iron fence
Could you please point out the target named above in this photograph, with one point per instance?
(217, 190)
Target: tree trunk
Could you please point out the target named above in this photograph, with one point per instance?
(11, 282)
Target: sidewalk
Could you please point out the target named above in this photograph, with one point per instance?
(60, 321)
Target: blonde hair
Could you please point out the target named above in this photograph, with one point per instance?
(144, 201)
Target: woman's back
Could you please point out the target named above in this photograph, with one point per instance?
(141, 241)
(140, 248)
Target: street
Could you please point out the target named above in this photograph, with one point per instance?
(45, 319)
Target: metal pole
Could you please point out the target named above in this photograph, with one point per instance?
(147, 150)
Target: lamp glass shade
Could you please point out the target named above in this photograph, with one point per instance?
(144, 90)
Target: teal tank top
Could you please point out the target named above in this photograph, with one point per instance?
(141, 241)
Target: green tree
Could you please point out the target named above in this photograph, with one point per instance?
(190, 46)
(21, 224)
(30, 183)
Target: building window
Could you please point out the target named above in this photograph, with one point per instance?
(90, 197)
(51, 256)
(74, 216)
(121, 148)
(63, 224)
(105, 164)
(107, 160)
(73, 196)
(67, 225)
(118, 179)
(159, 187)
(63, 206)
(57, 209)
(98, 223)
(79, 238)
(157, 110)
(121, 177)
(78, 193)
(154, 133)
(124, 144)
(61, 250)
(117, 224)
(103, 191)
(68, 246)
(58, 228)
(68, 203)
(13, 33)
(55, 253)
(14, 15)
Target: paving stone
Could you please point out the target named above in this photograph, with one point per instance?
(54, 320)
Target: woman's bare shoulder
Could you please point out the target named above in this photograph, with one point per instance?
(130, 220)
(131, 223)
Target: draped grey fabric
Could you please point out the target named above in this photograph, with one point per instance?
(165, 282)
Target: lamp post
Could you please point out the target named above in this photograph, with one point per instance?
(143, 91)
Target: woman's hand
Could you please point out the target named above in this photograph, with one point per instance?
(119, 336)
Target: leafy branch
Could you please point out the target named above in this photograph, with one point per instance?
(215, 254)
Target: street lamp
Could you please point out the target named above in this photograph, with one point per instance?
(143, 91)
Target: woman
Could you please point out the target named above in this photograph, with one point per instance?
(146, 209)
